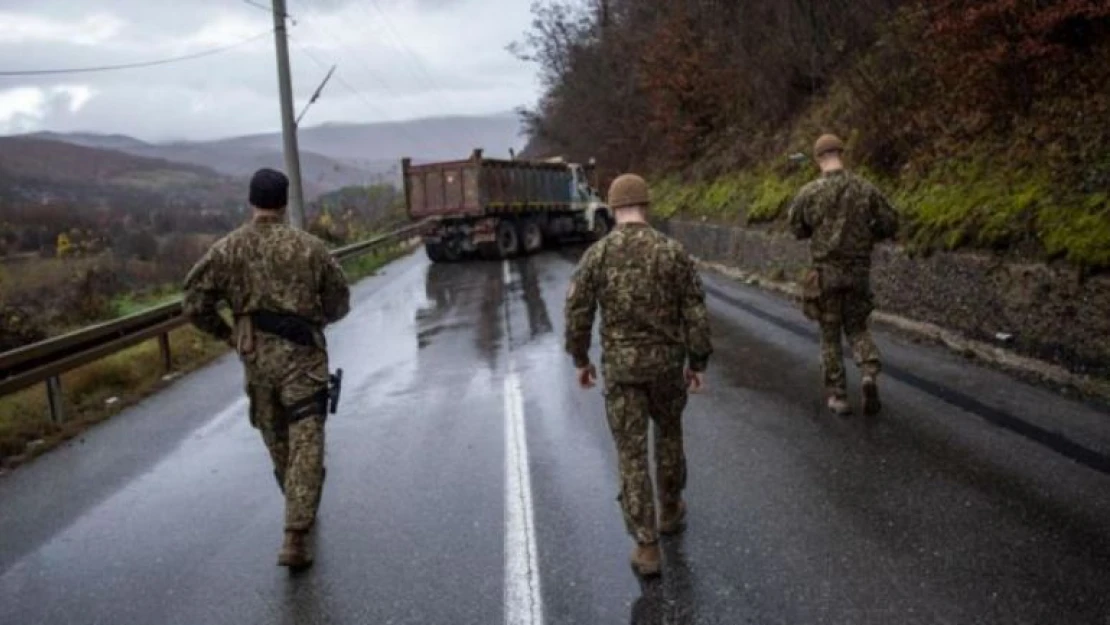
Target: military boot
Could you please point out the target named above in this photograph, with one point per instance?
(838, 405)
(871, 403)
(672, 519)
(294, 552)
(647, 560)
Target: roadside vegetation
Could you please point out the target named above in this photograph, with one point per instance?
(58, 290)
(95, 392)
(105, 387)
(983, 119)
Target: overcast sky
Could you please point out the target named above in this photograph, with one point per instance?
(401, 58)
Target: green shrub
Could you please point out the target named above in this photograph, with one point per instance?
(1080, 233)
(770, 197)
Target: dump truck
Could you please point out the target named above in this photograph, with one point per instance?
(495, 209)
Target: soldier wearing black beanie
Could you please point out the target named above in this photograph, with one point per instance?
(283, 287)
(269, 190)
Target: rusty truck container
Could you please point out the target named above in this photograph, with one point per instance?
(499, 208)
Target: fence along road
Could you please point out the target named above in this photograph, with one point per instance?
(47, 360)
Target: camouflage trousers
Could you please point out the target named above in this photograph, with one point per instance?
(845, 309)
(630, 408)
(297, 451)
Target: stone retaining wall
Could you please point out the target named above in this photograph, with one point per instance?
(1050, 312)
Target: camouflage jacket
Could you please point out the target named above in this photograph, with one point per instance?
(653, 316)
(844, 216)
(266, 265)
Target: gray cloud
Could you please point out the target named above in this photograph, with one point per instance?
(396, 59)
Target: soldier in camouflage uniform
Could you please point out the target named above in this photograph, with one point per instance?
(283, 286)
(655, 347)
(844, 216)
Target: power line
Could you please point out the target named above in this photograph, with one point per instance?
(415, 58)
(360, 95)
(404, 47)
(340, 42)
(108, 68)
(269, 9)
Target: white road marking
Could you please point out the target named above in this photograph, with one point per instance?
(523, 600)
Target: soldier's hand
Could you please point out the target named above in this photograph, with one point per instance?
(587, 377)
(695, 381)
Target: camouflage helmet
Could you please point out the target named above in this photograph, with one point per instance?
(628, 190)
(827, 143)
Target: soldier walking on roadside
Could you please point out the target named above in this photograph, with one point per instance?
(283, 286)
(844, 216)
(655, 341)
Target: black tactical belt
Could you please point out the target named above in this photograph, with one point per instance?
(292, 328)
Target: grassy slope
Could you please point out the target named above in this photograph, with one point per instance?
(965, 202)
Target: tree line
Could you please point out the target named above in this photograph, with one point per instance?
(662, 85)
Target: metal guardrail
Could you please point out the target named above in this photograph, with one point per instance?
(47, 360)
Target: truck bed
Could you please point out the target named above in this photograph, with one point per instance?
(479, 187)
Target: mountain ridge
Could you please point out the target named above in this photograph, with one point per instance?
(333, 154)
(37, 171)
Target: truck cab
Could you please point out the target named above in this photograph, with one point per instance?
(586, 196)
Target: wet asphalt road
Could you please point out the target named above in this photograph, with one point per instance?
(471, 482)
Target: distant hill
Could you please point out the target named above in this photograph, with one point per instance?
(91, 140)
(320, 173)
(436, 138)
(40, 171)
(332, 155)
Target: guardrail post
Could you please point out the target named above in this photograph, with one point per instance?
(164, 348)
(55, 399)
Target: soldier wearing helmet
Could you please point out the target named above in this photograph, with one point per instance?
(655, 342)
(843, 216)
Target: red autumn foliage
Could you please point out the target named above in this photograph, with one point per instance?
(667, 84)
(1003, 54)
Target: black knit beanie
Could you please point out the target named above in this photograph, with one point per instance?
(269, 189)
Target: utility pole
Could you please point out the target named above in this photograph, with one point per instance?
(288, 121)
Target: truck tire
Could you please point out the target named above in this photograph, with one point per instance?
(508, 238)
(441, 252)
(437, 252)
(452, 253)
(531, 236)
(507, 244)
(602, 226)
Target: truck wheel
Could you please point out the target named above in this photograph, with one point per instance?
(508, 239)
(451, 252)
(441, 252)
(436, 252)
(532, 236)
(602, 225)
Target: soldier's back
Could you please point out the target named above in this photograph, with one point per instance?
(840, 214)
(273, 267)
(642, 278)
